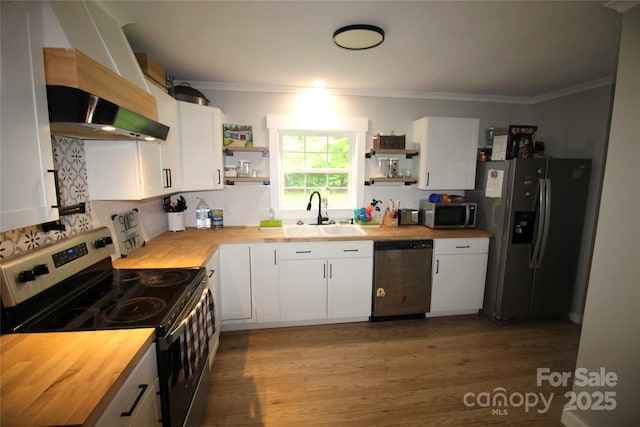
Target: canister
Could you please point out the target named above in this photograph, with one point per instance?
(216, 218)
(393, 167)
(383, 167)
(244, 168)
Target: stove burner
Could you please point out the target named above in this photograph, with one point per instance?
(134, 310)
(128, 275)
(77, 316)
(165, 278)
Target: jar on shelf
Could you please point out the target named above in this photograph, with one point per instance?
(393, 167)
(383, 167)
(244, 168)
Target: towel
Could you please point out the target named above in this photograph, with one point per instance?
(199, 327)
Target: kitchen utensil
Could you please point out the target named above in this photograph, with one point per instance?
(184, 92)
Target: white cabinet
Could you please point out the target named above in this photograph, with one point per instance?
(201, 147)
(213, 273)
(137, 403)
(349, 287)
(448, 152)
(124, 170)
(265, 282)
(325, 280)
(27, 188)
(459, 273)
(235, 283)
(303, 289)
(136, 170)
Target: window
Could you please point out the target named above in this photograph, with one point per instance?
(315, 161)
(324, 156)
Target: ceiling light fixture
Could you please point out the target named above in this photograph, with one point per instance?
(358, 37)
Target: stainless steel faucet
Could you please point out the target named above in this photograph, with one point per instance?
(321, 218)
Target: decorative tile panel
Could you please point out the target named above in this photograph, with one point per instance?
(69, 160)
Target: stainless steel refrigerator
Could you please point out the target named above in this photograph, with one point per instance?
(534, 210)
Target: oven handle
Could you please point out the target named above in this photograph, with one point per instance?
(175, 333)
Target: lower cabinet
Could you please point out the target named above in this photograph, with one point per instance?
(213, 273)
(327, 280)
(295, 282)
(459, 273)
(235, 283)
(137, 403)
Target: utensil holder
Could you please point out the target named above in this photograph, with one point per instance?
(176, 221)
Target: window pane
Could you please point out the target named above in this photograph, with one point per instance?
(317, 181)
(339, 144)
(316, 161)
(338, 161)
(292, 161)
(296, 180)
(292, 143)
(295, 198)
(316, 144)
(338, 180)
(338, 197)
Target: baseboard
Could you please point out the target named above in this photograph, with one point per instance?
(576, 318)
(570, 419)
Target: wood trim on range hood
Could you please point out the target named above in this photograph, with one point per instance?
(84, 95)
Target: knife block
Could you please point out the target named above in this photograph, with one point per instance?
(388, 220)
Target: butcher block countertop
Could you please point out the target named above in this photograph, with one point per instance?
(65, 378)
(193, 247)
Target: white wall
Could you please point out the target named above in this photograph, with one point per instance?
(610, 336)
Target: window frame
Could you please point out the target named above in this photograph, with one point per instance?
(356, 127)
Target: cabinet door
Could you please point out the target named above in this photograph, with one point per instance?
(123, 170)
(201, 147)
(458, 282)
(448, 152)
(303, 289)
(349, 287)
(169, 115)
(265, 279)
(235, 282)
(213, 273)
(27, 189)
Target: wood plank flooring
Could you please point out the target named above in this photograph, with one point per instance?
(400, 373)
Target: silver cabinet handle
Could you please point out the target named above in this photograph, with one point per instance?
(303, 252)
(463, 247)
(437, 266)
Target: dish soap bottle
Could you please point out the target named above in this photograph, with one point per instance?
(202, 215)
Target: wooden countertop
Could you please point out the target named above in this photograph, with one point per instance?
(65, 378)
(193, 247)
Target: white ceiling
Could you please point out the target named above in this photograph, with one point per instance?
(488, 48)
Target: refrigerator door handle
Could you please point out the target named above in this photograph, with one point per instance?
(547, 222)
(542, 190)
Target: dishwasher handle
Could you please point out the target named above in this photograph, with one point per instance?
(403, 245)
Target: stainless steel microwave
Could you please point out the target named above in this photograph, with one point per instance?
(448, 214)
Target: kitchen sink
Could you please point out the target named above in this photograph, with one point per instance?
(323, 230)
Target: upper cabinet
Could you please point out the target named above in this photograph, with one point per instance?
(28, 188)
(448, 152)
(201, 147)
(136, 170)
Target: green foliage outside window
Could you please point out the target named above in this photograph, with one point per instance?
(315, 162)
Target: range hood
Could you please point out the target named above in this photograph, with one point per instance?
(74, 112)
(89, 101)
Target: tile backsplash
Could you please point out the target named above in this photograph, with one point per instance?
(69, 160)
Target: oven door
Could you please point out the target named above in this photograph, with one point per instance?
(183, 366)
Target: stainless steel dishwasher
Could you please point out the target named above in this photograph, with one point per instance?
(401, 279)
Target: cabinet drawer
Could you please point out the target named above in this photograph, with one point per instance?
(323, 250)
(461, 246)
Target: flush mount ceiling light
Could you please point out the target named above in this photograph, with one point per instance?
(358, 37)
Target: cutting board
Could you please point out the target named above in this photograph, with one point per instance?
(128, 231)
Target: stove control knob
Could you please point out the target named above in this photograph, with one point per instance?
(41, 269)
(27, 276)
(99, 243)
(108, 240)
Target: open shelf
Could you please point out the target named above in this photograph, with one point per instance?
(376, 151)
(261, 179)
(228, 151)
(405, 181)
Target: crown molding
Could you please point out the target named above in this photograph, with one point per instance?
(443, 96)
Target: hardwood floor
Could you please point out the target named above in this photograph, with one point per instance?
(400, 373)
